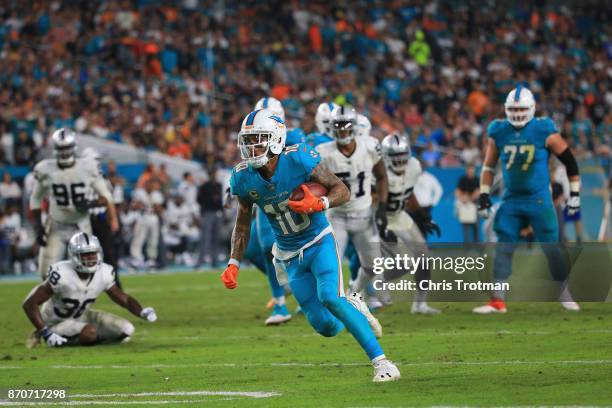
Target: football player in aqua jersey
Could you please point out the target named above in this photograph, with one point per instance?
(259, 250)
(305, 252)
(524, 144)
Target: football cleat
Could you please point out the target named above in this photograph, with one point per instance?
(280, 314)
(572, 306)
(423, 308)
(494, 306)
(385, 370)
(356, 299)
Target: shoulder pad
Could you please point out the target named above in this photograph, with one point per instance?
(547, 125)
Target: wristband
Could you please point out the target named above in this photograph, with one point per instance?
(488, 168)
(485, 189)
(325, 202)
(574, 188)
(233, 261)
(44, 332)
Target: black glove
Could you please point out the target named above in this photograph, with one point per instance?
(381, 220)
(484, 203)
(41, 236)
(426, 224)
(390, 237)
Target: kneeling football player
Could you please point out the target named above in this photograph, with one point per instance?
(305, 250)
(68, 292)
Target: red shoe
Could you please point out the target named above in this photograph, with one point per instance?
(494, 306)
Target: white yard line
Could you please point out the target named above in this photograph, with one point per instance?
(329, 364)
(100, 398)
(103, 402)
(415, 334)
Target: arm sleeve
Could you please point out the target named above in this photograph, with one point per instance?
(569, 161)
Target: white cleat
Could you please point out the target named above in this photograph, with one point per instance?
(280, 315)
(384, 371)
(423, 308)
(356, 300)
(571, 306)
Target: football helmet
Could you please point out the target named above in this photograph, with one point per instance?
(262, 132)
(519, 106)
(85, 252)
(273, 105)
(323, 116)
(396, 152)
(343, 124)
(363, 127)
(64, 146)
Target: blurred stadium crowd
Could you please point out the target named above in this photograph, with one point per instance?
(177, 77)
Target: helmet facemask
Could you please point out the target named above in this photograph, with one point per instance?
(87, 261)
(343, 131)
(65, 155)
(398, 161)
(518, 116)
(254, 147)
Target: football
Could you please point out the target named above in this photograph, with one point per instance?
(317, 189)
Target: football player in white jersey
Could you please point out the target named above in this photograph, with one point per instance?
(403, 172)
(356, 160)
(70, 289)
(65, 180)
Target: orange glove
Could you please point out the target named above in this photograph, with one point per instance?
(229, 277)
(309, 204)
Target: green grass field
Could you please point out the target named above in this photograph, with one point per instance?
(210, 348)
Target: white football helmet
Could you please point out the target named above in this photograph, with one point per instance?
(343, 124)
(396, 152)
(519, 106)
(273, 105)
(363, 126)
(262, 132)
(323, 117)
(64, 146)
(85, 252)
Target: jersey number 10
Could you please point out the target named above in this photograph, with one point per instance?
(285, 218)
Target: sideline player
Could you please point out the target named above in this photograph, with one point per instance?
(305, 251)
(524, 143)
(66, 295)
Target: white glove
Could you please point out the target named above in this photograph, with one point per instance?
(148, 313)
(52, 339)
(573, 204)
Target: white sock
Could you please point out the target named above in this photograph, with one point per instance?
(565, 295)
(379, 358)
(279, 300)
